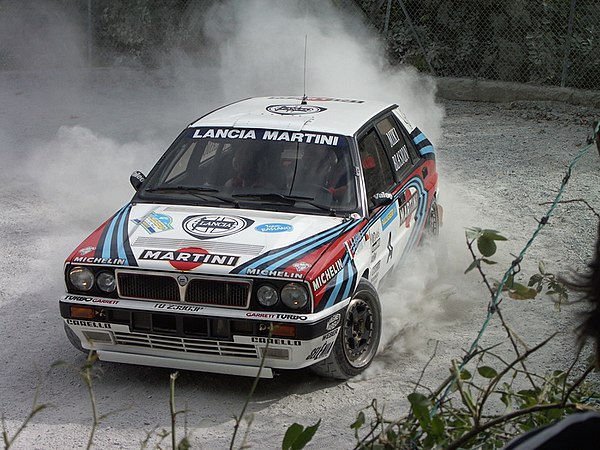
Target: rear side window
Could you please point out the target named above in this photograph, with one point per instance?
(395, 145)
(375, 165)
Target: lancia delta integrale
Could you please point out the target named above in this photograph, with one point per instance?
(261, 235)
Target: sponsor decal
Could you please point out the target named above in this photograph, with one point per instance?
(210, 226)
(170, 306)
(79, 298)
(155, 223)
(376, 268)
(286, 110)
(189, 258)
(329, 335)
(389, 217)
(262, 340)
(323, 278)
(390, 248)
(375, 236)
(97, 260)
(393, 138)
(264, 315)
(274, 273)
(321, 351)
(333, 322)
(400, 158)
(86, 250)
(301, 266)
(274, 228)
(408, 208)
(88, 323)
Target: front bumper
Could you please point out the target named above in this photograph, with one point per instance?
(192, 337)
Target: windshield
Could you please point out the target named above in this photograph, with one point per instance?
(292, 170)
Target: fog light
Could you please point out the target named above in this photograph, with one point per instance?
(82, 312)
(282, 330)
(275, 353)
(97, 336)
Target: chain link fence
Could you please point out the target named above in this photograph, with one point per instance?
(549, 42)
(544, 42)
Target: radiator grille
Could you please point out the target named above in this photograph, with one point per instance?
(212, 292)
(196, 289)
(187, 345)
(151, 287)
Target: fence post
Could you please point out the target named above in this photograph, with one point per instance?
(386, 26)
(89, 33)
(563, 78)
(412, 27)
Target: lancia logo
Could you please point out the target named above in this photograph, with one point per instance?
(333, 322)
(182, 280)
(288, 110)
(210, 226)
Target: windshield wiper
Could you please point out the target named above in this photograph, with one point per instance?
(197, 191)
(286, 200)
(182, 188)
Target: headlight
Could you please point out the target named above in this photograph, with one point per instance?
(267, 295)
(82, 278)
(294, 296)
(106, 282)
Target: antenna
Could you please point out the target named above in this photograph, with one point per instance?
(303, 102)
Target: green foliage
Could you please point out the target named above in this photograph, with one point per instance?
(554, 286)
(296, 437)
(486, 244)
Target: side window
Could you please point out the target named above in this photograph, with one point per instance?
(395, 145)
(376, 167)
(404, 125)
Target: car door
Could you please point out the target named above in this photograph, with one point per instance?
(405, 159)
(383, 228)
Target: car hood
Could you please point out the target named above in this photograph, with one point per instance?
(211, 240)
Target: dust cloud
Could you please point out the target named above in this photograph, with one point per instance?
(82, 131)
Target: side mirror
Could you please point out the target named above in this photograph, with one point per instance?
(136, 179)
(381, 199)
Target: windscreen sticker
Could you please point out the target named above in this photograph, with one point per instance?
(269, 135)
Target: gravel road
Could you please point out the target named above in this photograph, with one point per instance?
(66, 169)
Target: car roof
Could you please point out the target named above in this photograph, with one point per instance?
(320, 114)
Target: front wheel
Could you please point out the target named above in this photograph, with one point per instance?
(358, 339)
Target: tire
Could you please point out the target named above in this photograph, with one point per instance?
(74, 340)
(358, 339)
(434, 219)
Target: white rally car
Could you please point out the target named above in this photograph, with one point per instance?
(261, 235)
